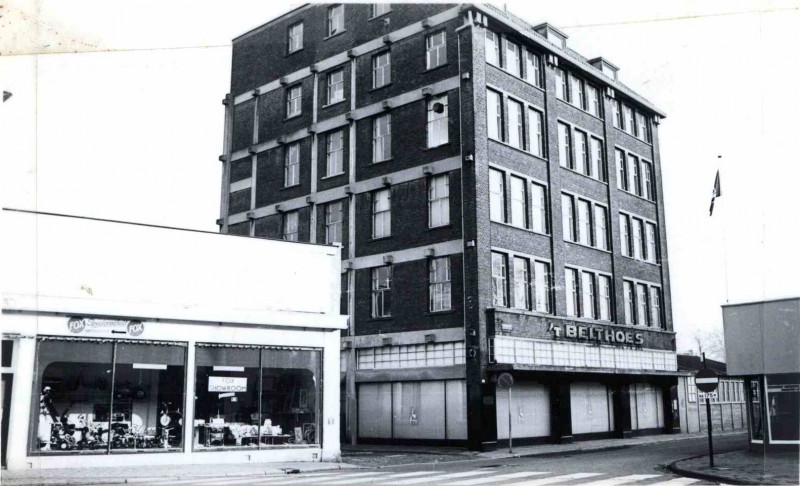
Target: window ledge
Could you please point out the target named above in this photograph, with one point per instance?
(380, 318)
(584, 175)
(443, 312)
(334, 103)
(293, 186)
(428, 70)
(379, 16)
(655, 264)
(332, 176)
(294, 51)
(381, 238)
(504, 144)
(296, 115)
(509, 225)
(445, 144)
(634, 137)
(637, 196)
(582, 110)
(441, 226)
(583, 245)
(334, 35)
(379, 87)
(376, 162)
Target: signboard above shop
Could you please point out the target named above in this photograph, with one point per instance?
(89, 325)
(598, 334)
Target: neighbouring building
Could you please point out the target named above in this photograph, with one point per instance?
(499, 202)
(134, 345)
(728, 409)
(762, 340)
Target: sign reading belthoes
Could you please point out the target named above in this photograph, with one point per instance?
(227, 384)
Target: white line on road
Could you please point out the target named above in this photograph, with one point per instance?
(439, 478)
(621, 480)
(675, 482)
(348, 480)
(555, 479)
(495, 479)
(305, 478)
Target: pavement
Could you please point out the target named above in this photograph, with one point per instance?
(743, 467)
(355, 459)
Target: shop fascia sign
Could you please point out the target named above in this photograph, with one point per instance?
(599, 335)
(89, 325)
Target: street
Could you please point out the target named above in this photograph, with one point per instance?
(640, 465)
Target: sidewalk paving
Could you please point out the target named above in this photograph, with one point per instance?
(743, 467)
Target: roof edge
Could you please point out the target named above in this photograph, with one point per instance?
(766, 301)
(267, 24)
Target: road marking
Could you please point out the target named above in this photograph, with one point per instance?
(495, 479)
(556, 479)
(439, 478)
(348, 480)
(621, 480)
(207, 480)
(675, 482)
(305, 478)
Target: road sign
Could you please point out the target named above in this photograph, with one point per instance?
(709, 395)
(505, 380)
(706, 380)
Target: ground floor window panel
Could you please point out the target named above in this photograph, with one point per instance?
(589, 404)
(756, 413)
(103, 395)
(530, 411)
(647, 406)
(375, 410)
(456, 409)
(418, 410)
(783, 406)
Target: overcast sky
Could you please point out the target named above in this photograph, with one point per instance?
(119, 116)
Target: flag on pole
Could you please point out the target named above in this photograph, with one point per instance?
(717, 192)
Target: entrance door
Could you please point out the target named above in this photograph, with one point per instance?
(5, 390)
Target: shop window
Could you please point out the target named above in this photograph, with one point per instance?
(783, 403)
(756, 416)
(8, 349)
(89, 405)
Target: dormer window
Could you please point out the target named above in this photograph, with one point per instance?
(552, 34)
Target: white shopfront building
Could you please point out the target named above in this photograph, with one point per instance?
(162, 346)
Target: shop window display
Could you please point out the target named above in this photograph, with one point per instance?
(254, 397)
(102, 395)
(783, 403)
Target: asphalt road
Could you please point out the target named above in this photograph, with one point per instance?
(636, 466)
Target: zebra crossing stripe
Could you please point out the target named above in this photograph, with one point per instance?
(306, 478)
(495, 479)
(556, 479)
(384, 478)
(439, 477)
(675, 482)
(621, 480)
(207, 480)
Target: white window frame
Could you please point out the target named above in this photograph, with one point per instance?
(565, 144)
(335, 19)
(533, 66)
(536, 132)
(572, 289)
(291, 226)
(436, 52)
(568, 217)
(438, 123)
(382, 213)
(381, 69)
(497, 195)
(492, 45)
(382, 138)
(513, 63)
(335, 88)
(516, 124)
(539, 222)
(294, 98)
(334, 221)
(295, 37)
(381, 290)
(598, 159)
(379, 9)
(494, 114)
(334, 161)
(439, 201)
(518, 198)
(291, 174)
(439, 284)
(500, 279)
(522, 283)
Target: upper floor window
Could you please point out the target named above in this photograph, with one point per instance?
(492, 48)
(619, 119)
(439, 284)
(538, 208)
(436, 48)
(593, 101)
(494, 114)
(381, 213)
(290, 226)
(571, 287)
(379, 9)
(519, 202)
(584, 221)
(333, 222)
(439, 201)
(562, 88)
(597, 168)
(335, 19)
(382, 291)
(382, 138)
(536, 132)
(381, 69)
(497, 196)
(437, 121)
(499, 280)
(335, 153)
(516, 124)
(296, 37)
(648, 191)
(630, 123)
(639, 238)
(635, 175)
(533, 68)
(522, 283)
(582, 163)
(335, 86)
(513, 65)
(588, 294)
(293, 101)
(576, 92)
(291, 171)
(565, 146)
(622, 170)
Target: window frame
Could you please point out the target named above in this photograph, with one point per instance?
(516, 128)
(382, 214)
(494, 195)
(291, 169)
(290, 226)
(500, 280)
(438, 287)
(384, 141)
(336, 153)
(436, 120)
(440, 49)
(385, 69)
(291, 48)
(375, 9)
(536, 133)
(334, 20)
(338, 226)
(381, 288)
(338, 86)
(294, 104)
(494, 100)
(440, 202)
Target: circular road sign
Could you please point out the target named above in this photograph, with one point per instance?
(706, 380)
(505, 380)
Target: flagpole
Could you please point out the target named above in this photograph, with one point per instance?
(724, 245)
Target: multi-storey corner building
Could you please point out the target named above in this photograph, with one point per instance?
(498, 201)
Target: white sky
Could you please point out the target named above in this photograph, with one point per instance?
(130, 127)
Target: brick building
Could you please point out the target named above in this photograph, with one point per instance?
(498, 201)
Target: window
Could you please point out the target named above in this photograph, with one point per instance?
(494, 115)
(541, 286)
(381, 69)
(536, 133)
(439, 284)
(619, 120)
(516, 126)
(379, 9)
(382, 138)
(650, 237)
(381, 213)
(335, 153)
(600, 227)
(625, 235)
(492, 48)
(437, 121)
(642, 317)
(582, 148)
(593, 101)
(630, 316)
(291, 175)
(604, 284)
(296, 37)
(533, 68)
(439, 201)
(497, 196)
(584, 222)
(293, 97)
(655, 307)
(382, 291)
(562, 89)
(512, 59)
(333, 222)
(638, 239)
(630, 123)
(335, 20)
(565, 146)
(290, 226)
(633, 174)
(647, 181)
(622, 170)
(692, 389)
(637, 177)
(499, 280)
(522, 290)
(598, 162)
(539, 208)
(571, 288)
(336, 86)
(519, 200)
(642, 125)
(436, 47)
(576, 92)
(587, 295)
(568, 217)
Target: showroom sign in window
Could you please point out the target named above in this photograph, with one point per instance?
(227, 384)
